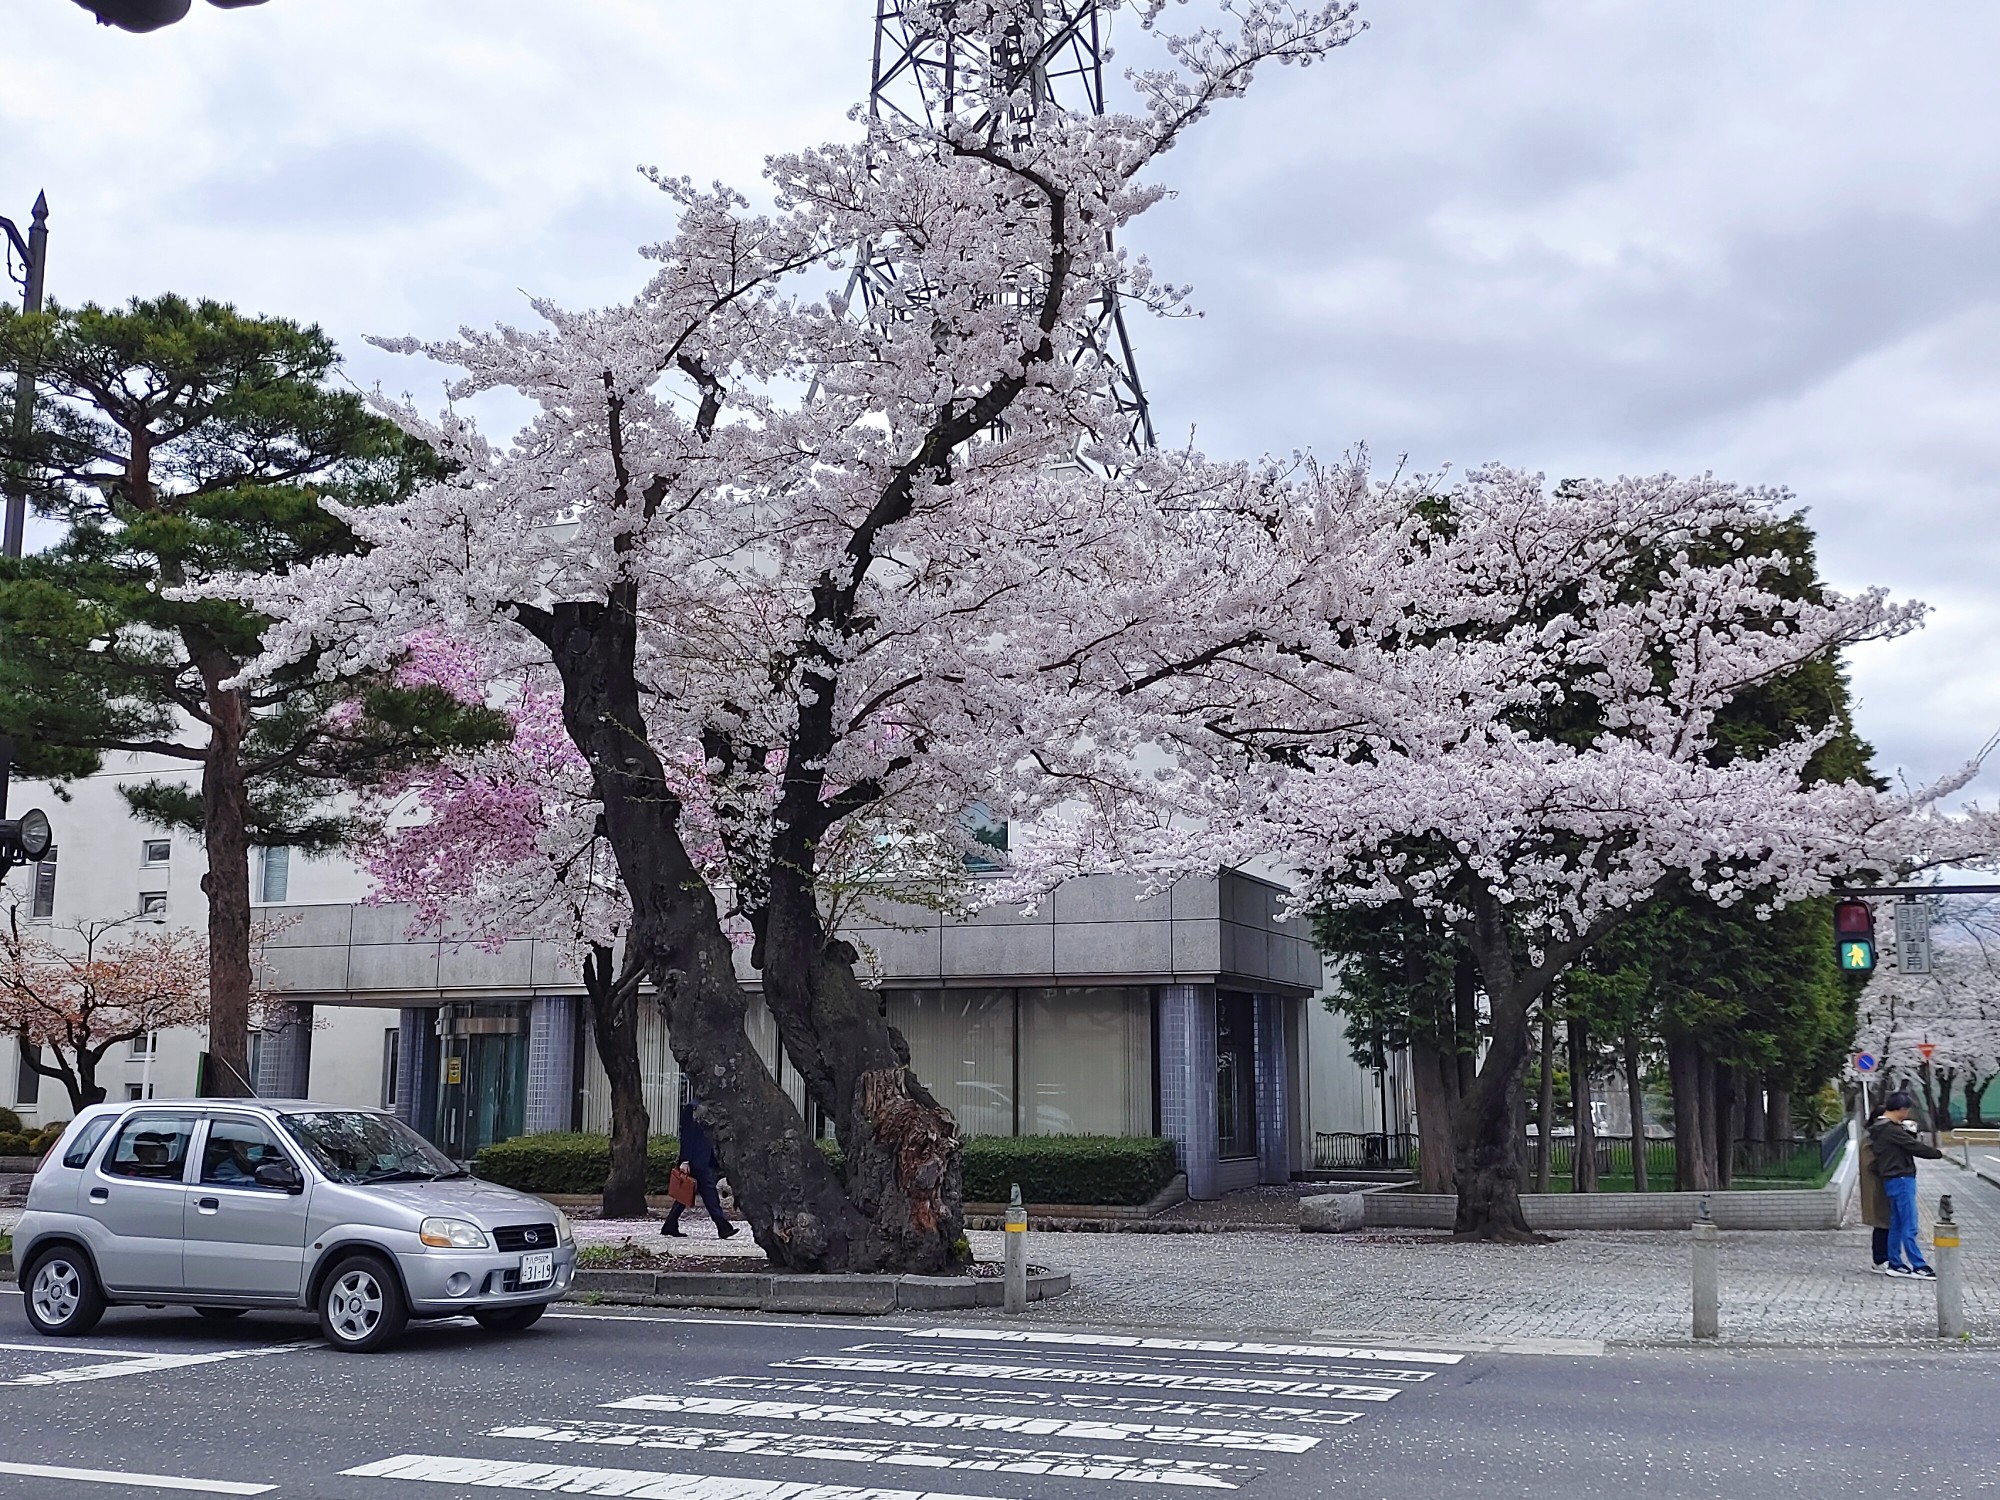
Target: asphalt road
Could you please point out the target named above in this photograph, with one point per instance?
(686, 1407)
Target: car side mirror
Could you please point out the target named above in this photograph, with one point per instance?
(280, 1174)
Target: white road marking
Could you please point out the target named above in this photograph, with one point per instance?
(844, 1449)
(138, 1481)
(1098, 1359)
(751, 1321)
(1145, 1406)
(1155, 1380)
(146, 1364)
(638, 1484)
(1584, 1348)
(1190, 1346)
(1018, 1424)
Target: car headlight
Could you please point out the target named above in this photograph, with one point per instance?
(452, 1234)
(564, 1234)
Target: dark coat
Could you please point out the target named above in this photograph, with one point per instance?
(1874, 1198)
(697, 1150)
(1897, 1149)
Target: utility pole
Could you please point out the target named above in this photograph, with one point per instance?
(33, 251)
(920, 74)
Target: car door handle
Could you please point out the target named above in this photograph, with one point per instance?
(99, 1195)
(207, 1205)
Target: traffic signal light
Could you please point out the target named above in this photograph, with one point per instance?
(1854, 935)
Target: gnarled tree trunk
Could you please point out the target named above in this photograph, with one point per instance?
(614, 1030)
(225, 833)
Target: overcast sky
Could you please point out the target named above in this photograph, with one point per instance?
(1585, 237)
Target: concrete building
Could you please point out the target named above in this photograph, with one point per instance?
(1195, 1014)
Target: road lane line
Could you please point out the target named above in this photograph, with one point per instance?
(1155, 1406)
(746, 1442)
(137, 1481)
(1015, 1424)
(745, 1322)
(1190, 1346)
(143, 1365)
(638, 1484)
(1157, 1380)
(1099, 1359)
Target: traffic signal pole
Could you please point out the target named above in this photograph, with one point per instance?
(33, 248)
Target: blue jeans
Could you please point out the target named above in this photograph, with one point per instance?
(1903, 1248)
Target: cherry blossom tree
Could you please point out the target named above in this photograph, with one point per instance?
(750, 519)
(1955, 1009)
(75, 991)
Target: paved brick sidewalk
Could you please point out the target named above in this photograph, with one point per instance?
(1629, 1287)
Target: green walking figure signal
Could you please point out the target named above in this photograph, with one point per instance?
(1854, 935)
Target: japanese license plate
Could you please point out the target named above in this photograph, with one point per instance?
(536, 1269)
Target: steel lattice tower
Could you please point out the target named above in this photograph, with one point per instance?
(917, 76)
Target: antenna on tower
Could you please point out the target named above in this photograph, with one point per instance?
(919, 72)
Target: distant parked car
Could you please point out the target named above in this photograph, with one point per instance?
(229, 1206)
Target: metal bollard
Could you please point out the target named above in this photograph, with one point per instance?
(1707, 1303)
(1017, 1254)
(1950, 1290)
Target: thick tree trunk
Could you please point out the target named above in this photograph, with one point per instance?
(225, 817)
(1694, 1170)
(1722, 1112)
(1545, 1105)
(1930, 1100)
(1635, 1103)
(1434, 1078)
(798, 1211)
(1488, 1149)
(614, 1030)
(1975, 1100)
(1583, 1159)
(1751, 1110)
(1777, 1111)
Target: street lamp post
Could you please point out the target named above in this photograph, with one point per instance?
(33, 249)
(27, 838)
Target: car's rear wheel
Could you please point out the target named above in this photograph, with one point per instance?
(510, 1319)
(61, 1293)
(361, 1306)
(222, 1314)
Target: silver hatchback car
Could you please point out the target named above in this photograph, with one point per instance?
(226, 1206)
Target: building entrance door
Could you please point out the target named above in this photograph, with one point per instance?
(1235, 1076)
(483, 1082)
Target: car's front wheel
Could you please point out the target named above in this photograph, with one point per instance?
(61, 1293)
(361, 1306)
(510, 1319)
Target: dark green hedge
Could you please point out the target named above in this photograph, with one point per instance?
(568, 1162)
(1106, 1169)
(1050, 1168)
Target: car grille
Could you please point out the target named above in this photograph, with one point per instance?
(525, 1237)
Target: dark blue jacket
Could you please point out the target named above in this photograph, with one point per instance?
(697, 1150)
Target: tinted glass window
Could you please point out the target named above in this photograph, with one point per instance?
(151, 1146)
(235, 1150)
(83, 1142)
(352, 1146)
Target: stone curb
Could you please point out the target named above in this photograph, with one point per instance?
(757, 1291)
(1174, 1192)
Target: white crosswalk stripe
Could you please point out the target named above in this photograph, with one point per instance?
(1185, 1346)
(1020, 1424)
(1103, 1359)
(844, 1448)
(1160, 1380)
(993, 1395)
(637, 1484)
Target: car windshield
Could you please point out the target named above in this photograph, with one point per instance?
(355, 1146)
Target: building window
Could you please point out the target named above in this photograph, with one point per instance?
(1235, 1075)
(152, 903)
(274, 875)
(255, 1060)
(156, 852)
(27, 1082)
(138, 1091)
(392, 1056)
(42, 902)
(147, 1045)
(962, 1050)
(1087, 1060)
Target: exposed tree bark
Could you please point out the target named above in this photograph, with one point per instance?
(78, 1078)
(1545, 1104)
(1694, 1169)
(614, 1030)
(225, 811)
(1975, 1099)
(1930, 1099)
(1635, 1100)
(1777, 1111)
(1583, 1159)
(1750, 1110)
(1434, 1074)
(1722, 1111)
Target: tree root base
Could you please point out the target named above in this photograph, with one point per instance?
(1503, 1235)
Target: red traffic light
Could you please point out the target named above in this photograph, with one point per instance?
(1854, 919)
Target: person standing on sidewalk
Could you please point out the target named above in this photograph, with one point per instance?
(1874, 1201)
(698, 1158)
(1897, 1147)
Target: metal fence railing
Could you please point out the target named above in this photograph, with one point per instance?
(1363, 1151)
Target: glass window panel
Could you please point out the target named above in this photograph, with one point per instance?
(1235, 1076)
(659, 1078)
(234, 1152)
(43, 904)
(152, 1146)
(962, 1050)
(277, 873)
(1087, 1061)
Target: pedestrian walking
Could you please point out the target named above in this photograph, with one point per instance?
(698, 1161)
(1897, 1147)
(1874, 1201)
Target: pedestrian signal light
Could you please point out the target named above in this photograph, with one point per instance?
(1854, 935)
